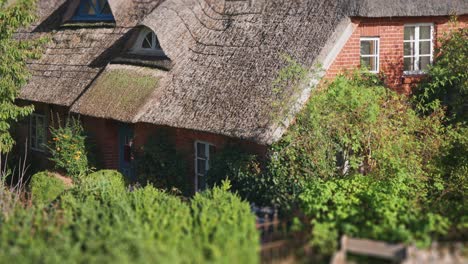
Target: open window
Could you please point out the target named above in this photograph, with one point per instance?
(93, 10)
(147, 43)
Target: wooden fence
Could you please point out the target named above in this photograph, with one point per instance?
(278, 243)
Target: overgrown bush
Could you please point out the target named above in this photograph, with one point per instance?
(45, 188)
(447, 79)
(99, 221)
(224, 227)
(364, 161)
(68, 150)
(160, 165)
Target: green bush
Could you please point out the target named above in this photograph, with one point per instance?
(447, 79)
(101, 222)
(160, 165)
(68, 150)
(45, 188)
(103, 182)
(224, 227)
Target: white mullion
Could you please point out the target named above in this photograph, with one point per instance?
(416, 48)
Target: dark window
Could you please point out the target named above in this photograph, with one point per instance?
(94, 10)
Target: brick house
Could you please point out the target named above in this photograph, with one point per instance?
(204, 69)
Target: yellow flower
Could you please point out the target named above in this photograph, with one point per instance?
(78, 152)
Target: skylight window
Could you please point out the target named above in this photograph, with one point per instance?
(94, 10)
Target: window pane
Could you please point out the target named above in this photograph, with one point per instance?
(366, 62)
(366, 47)
(147, 41)
(409, 64)
(157, 46)
(409, 33)
(425, 32)
(201, 166)
(408, 48)
(89, 8)
(201, 151)
(425, 48)
(424, 62)
(106, 9)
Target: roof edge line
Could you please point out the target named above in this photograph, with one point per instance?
(326, 57)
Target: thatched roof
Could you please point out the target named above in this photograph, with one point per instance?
(224, 59)
(118, 93)
(402, 8)
(77, 53)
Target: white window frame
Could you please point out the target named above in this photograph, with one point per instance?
(416, 47)
(138, 45)
(35, 144)
(377, 51)
(207, 161)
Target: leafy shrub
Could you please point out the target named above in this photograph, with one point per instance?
(241, 169)
(160, 165)
(103, 182)
(363, 206)
(224, 227)
(363, 164)
(450, 182)
(101, 222)
(447, 79)
(45, 188)
(68, 148)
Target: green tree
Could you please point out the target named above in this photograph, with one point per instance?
(13, 70)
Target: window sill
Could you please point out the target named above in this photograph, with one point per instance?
(158, 62)
(414, 74)
(88, 24)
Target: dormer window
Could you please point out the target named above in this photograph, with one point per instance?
(93, 10)
(147, 43)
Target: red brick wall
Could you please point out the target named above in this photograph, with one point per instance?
(104, 134)
(390, 32)
(184, 140)
(38, 160)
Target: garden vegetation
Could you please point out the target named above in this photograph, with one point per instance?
(101, 221)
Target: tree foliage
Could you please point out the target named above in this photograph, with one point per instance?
(13, 70)
(447, 79)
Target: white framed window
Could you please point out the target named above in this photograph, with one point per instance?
(148, 43)
(203, 153)
(370, 48)
(418, 47)
(38, 132)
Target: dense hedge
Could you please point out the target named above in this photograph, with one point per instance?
(45, 188)
(100, 221)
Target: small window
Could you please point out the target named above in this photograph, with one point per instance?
(370, 54)
(94, 10)
(203, 153)
(38, 132)
(418, 48)
(148, 43)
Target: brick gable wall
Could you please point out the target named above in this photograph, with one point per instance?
(390, 33)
